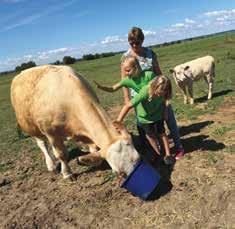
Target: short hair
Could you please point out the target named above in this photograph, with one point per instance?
(135, 34)
(162, 85)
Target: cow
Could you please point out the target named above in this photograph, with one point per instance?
(185, 74)
(53, 104)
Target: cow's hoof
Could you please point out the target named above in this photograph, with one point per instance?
(70, 177)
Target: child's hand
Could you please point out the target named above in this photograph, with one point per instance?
(117, 124)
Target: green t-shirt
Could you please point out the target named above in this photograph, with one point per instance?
(147, 111)
(136, 83)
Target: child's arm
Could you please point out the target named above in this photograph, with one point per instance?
(124, 111)
(113, 88)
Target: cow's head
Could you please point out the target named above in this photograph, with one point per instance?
(181, 73)
(121, 154)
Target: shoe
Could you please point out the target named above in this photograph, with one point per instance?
(169, 160)
(179, 154)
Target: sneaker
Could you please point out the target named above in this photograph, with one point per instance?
(179, 154)
(169, 160)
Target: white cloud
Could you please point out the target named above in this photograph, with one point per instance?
(189, 21)
(219, 13)
(178, 25)
(53, 53)
(112, 40)
(148, 33)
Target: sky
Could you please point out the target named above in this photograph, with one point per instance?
(46, 31)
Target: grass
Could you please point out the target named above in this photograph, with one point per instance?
(213, 158)
(107, 71)
(221, 130)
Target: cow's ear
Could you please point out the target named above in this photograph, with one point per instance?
(186, 68)
(171, 71)
(91, 159)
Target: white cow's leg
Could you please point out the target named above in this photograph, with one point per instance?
(49, 160)
(183, 90)
(210, 89)
(61, 154)
(190, 92)
(210, 85)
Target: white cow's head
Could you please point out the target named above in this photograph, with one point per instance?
(181, 73)
(121, 154)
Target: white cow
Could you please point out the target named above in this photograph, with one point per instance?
(53, 103)
(185, 74)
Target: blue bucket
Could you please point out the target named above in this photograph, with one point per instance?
(142, 181)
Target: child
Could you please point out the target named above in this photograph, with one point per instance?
(135, 77)
(149, 102)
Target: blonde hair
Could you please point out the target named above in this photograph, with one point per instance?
(160, 85)
(134, 63)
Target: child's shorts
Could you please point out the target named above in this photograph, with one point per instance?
(154, 128)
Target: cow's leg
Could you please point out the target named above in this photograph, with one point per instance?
(209, 81)
(49, 160)
(183, 90)
(190, 91)
(61, 154)
(210, 86)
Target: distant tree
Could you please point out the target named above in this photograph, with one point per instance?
(68, 60)
(88, 57)
(97, 55)
(57, 62)
(24, 66)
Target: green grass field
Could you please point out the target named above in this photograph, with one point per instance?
(107, 71)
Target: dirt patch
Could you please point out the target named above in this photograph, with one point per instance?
(199, 194)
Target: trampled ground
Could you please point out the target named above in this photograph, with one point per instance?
(199, 194)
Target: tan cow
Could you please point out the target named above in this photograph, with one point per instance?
(185, 74)
(53, 103)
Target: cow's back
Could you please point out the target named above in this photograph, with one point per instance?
(199, 66)
(45, 97)
(203, 63)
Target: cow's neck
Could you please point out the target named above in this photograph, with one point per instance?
(99, 126)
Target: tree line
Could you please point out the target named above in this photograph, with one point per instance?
(66, 60)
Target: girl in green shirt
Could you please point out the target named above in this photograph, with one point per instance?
(149, 102)
(134, 78)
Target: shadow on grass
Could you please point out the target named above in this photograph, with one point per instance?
(216, 94)
(200, 142)
(194, 128)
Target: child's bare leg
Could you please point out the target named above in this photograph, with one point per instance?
(153, 142)
(166, 144)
